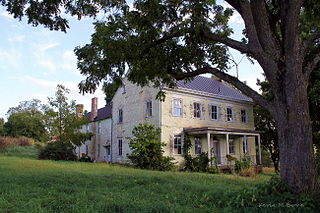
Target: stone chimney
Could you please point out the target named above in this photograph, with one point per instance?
(79, 110)
(94, 108)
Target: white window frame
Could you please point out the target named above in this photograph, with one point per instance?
(176, 145)
(211, 112)
(197, 111)
(120, 145)
(231, 146)
(176, 107)
(197, 145)
(232, 114)
(149, 108)
(120, 116)
(245, 116)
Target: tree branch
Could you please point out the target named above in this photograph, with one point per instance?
(257, 98)
(160, 41)
(237, 45)
(309, 42)
(312, 65)
(236, 5)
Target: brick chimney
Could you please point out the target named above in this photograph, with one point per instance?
(94, 108)
(79, 110)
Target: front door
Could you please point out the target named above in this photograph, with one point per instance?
(217, 150)
(107, 156)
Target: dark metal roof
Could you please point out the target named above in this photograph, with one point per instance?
(103, 113)
(214, 87)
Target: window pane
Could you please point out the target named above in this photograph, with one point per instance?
(177, 108)
(177, 144)
(214, 112)
(229, 114)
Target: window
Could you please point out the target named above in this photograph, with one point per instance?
(245, 146)
(196, 110)
(148, 109)
(197, 145)
(87, 149)
(120, 146)
(243, 116)
(120, 116)
(108, 150)
(99, 127)
(177, 107)
(177, 144)
(229, 114)
(214, 112)
(231, 146)
(98, 150)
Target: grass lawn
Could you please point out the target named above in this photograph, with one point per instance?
(30, 185)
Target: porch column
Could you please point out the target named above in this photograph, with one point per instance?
(245, 145)
(209, 148)
(259, 148)
(227, 142)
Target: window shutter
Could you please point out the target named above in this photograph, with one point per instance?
(203, 111)
(182, 109)
(171, 108)
(220, 113)
(191, 110)
(210, 111)
(234, 114)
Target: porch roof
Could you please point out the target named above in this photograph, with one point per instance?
(217, 130)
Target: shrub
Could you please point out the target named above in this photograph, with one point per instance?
(147, 152)
(6, 142)
(242, 164)
(250, 172)
(199, 163)
(58, 151)
(85, 158)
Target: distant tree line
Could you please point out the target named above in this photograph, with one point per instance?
(43, 122)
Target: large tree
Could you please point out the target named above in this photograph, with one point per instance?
(164, 40)
(63, 121)
(27, 119)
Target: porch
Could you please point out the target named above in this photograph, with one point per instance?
(222, 142)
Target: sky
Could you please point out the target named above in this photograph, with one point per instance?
(33, 60)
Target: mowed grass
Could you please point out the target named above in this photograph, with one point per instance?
(30, 185)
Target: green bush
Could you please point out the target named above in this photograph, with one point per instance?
(147, 152)
(58, 151)
(243, 164)
(85, 158)
(199, 163)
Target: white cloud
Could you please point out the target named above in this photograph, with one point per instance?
(10, 58)
(47, 88)
(5, 14)
(70, 62)
(16, 38)
(236, 19)
(47, 46)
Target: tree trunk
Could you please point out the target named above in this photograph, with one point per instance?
(293, 123)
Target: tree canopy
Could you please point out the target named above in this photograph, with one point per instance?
(27, 119)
